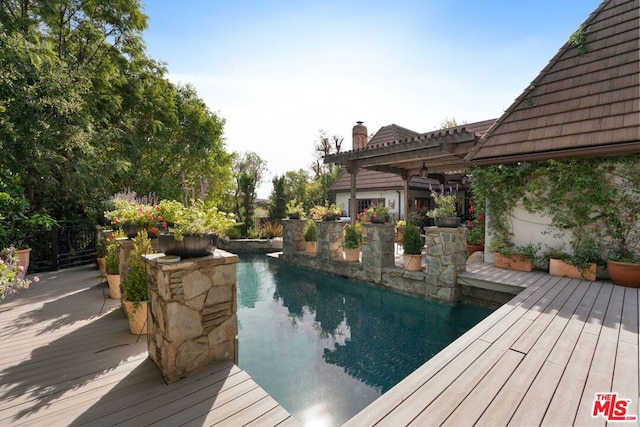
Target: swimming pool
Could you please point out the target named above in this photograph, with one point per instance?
(325, 347)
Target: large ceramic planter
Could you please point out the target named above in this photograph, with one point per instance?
(310, 247)
(379, 219)
(352, 255)
(472, 247)
(448, 222)
(189, 246)
(137, 317)
(517, 262)
(412, 262)
(558, 267)
(131, 229)
(24, 256)
(624, 273)
(114, 285)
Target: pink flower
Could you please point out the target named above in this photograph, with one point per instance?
(163, 224)
(154, 230)
(159, 218)
(36, 279)
(481, 217)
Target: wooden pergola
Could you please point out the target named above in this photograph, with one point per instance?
(437, 155)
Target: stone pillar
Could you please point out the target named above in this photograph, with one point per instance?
(377, 249)
(293, 237)
(192, 313)
(125, 246)
(329, 236)
(446, 256)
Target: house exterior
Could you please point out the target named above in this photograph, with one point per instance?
(398, 187)
(584, 103)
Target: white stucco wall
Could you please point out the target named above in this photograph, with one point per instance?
(532, 228)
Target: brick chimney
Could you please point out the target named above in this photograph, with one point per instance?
(359, 136)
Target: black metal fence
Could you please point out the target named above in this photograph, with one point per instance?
(68, 244)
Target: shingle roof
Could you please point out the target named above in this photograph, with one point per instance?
(367, 179)
(391, 133)
(579, 104)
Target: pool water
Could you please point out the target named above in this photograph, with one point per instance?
(325, 347)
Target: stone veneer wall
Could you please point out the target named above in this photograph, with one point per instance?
(445, 258)
(192, 313)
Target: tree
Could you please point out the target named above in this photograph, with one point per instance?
(449, 123)
(248, 171)
(278, 201)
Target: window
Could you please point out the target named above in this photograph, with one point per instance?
(363, 204)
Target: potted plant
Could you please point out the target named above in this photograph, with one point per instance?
(18, 224)
(444, 214)
(400, 225)
(622, 221)
(412, 244)
(195, 231)
(378, 214)
(325, 212)
(512, 257)
(133, 216)
(310, 237)
(351, 242)
(295, 210)
(134, 285)
(12, 275)
(582, 264)
(475, 229)
(112, 263)
(101, 253)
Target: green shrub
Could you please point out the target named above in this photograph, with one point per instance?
(310, 231)
(351, 237)
(412, 240)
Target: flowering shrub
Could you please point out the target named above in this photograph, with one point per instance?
(475, 226)
(445, 203)
(12, 276)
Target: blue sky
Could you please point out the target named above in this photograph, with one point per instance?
(280, 71)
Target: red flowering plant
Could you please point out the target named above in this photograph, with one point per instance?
(475, 225)
(140, 213)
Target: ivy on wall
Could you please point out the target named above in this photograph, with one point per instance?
(596, 199)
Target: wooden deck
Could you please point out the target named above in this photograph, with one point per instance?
(538, 360)
(67, 358)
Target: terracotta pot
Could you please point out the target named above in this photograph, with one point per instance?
(624, 273)
(102, 266)
(412, 262)
(114, 285)
(514, 262)
(310, 247)
(473, 247)
(189, 246)
(137, 317)
(558, 267)
(399, 234)
(352, 255)
(24, 256)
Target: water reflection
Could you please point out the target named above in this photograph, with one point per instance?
(310, 329)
